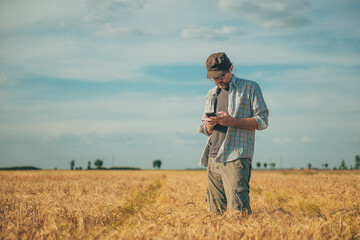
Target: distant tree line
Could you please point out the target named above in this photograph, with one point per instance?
(20, 168)
(356, 166)
(325, 165)
(272, 165)
(99, 165)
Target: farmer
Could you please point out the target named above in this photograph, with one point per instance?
(240, 109)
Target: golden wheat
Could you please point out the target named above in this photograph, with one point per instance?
(172, 205)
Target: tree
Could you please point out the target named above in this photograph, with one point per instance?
(72, 164)
(325, 165)
(258, 164)
(265, 164)
(157, 163)
(309, 165)
(357, 162)
(343, 165)
(272, 165)
(89, 165)
(98, 163)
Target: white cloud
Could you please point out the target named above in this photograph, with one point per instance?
(104, 45)
(115, 5)
(93, 19)
(283, 141)
(321, 73)
(269, 13)
(57, 128)
(280, 141)
(6, 81)
(306, 139)
(123, 113)
(225, 32)
(325, 93)
(19, 13)
(109, 31)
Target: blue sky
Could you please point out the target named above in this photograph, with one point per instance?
(125, 80)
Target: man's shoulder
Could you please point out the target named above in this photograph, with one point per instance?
(239, 81)
(242, 84)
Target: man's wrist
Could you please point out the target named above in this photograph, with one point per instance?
(208, 128)
(234, 122)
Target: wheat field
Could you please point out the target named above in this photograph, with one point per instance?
(171, 205)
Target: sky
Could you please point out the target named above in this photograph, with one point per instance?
(125, 80)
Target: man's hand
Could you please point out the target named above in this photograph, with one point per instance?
(210, 124)
(224, 119)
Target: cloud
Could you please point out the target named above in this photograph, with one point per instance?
(88, 138)
(6, 81)
(115, 5)
(269, 14)
(123, 113)
(109, 31)
(120, 149)
(282, 141)
(102, 45)
(111, 18)
(225, 32)
(18, 14)
(306, 139)
(325, 92)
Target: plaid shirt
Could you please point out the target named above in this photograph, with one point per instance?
(245, 100)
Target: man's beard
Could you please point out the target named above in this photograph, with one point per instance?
(223, 85)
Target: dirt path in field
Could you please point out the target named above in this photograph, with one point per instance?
(172, 208)
(131, 207)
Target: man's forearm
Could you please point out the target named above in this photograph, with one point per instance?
(245, 123)
(225, 119)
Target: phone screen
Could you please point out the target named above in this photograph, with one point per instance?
(211, 114)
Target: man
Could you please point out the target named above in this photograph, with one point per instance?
(240, 109)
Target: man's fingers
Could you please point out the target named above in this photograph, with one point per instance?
(222, 113)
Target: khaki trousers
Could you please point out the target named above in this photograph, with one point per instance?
(228, 186)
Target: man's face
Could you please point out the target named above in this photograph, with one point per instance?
(223, 81)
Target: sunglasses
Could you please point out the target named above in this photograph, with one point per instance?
(221, 77)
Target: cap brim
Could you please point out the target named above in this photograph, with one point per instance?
(215, 74)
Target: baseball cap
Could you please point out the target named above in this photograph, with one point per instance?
(217, 64)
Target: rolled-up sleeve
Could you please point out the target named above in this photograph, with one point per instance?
(260, 110)
(208, 107)
(202, 128)
(262, 120)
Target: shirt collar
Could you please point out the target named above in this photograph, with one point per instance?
(231, 86)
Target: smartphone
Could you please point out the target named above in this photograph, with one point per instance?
(210, 114)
